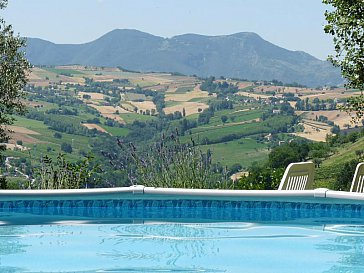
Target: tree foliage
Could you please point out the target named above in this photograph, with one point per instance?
(66, 147)
(13, 75)
(261, 177)
(346, 23)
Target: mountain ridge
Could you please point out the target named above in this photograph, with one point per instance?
(240, 55)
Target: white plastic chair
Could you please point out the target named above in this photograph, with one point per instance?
(298, 176)
(357, 185)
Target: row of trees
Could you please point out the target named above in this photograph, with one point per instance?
(220, 88)
(315, 105)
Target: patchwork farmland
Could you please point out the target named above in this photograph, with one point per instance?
(237, 121)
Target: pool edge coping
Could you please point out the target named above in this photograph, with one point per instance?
(142, 192)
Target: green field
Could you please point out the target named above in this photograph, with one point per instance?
(328, 171)
(116, 131)
(32, 124)
(216, 132)
(143, 83)
(184, 89)
(135, 97)
(45, 105)
(243, 151)
(64, 71)
(171, 103)
(131, 117)
(192, 117)
(203, 100)
(83, 116)
(234, 116)
(47, 140)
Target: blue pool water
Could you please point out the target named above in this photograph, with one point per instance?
(180, 236)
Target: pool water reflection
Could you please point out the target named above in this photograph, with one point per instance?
(180, 236)
(178, 247)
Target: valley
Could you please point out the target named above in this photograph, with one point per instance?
(79, 110)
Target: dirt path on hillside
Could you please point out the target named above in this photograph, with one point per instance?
(95, 126)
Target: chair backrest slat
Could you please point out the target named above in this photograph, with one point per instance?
(303, 182)
(298, 183)
(298, 176)
(293, 183)
(360, 184)
(357, 185)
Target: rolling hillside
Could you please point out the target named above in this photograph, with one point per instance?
(237, 122)
(341, 165)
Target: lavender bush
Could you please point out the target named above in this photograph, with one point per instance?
(169, 163)
(61, 174)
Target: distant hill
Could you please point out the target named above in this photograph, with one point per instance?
(242, 55)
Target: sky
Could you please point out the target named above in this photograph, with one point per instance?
(292, 24)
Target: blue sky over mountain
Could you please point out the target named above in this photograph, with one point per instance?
(295, 25)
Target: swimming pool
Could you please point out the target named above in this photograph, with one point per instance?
(157, 230)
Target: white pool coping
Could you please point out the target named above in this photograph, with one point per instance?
(320, 195)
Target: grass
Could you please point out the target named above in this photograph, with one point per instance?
(86, 116)
(16, 153)
(40, 149)
(49, 145)
(46, 105)
(32, 124)
(345, 153)
(203, 100)
(75, 120)
(243, 151)
(171, 103)
(327, 174)
(47, 139)
(247, 88)
(131, 117)
(192, 117)
(47, 135)
(134, 97)
(238, 116)
(142, 83)
(247, 116)
(63, 71)
(47, 74)
(116, 131)
(215, 132)
(241, 131)
(184, 89)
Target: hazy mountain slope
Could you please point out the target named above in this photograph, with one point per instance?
(241, 55)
